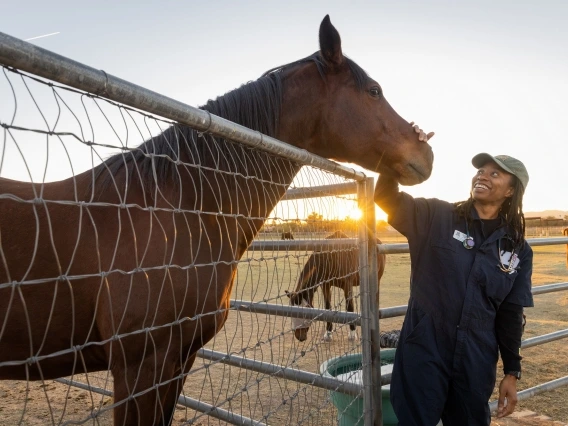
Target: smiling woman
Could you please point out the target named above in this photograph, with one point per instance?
(470, 279)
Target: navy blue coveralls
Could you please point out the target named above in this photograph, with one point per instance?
(445, 363)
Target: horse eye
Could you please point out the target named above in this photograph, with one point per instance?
(375, 91)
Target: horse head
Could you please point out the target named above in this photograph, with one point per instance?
(299, 325)
(342, 114)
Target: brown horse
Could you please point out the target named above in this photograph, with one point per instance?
(287, 235)
(129, 267)
(326, 269)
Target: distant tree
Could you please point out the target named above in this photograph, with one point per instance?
(314, 217)
(350, 225)
(314, 221)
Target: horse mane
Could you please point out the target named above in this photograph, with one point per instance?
(256, 105)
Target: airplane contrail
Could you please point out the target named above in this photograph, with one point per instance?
(42, 36)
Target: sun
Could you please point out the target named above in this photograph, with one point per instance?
(354, 213)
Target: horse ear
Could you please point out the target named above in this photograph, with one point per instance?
(330, 43)
(288, 293)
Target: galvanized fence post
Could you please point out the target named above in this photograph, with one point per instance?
(369, 305)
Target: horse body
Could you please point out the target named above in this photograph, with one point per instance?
(324, 270)
(135, 291)
(130, 266)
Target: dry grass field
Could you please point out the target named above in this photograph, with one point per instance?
(273, 400)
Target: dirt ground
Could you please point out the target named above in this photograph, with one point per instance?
(277, 401)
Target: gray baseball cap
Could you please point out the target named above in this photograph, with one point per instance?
(507, 163)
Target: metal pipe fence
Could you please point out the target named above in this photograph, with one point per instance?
(19, 56)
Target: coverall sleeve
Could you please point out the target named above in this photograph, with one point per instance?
(509, 330)
(409, 216)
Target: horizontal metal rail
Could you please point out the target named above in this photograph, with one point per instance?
(393, 311)
(321, 245)
(27, 57)
(219, 413)
(340, 317)
(303, 245)
(84, 386)
(549, 288)
(398, 248)
(535, 242)
(530, 392)
(284, 372)
(313, 314)
(321, 191)
(545, 338)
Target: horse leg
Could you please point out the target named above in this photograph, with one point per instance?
(155, 406)
(170, 398)
(348, 292)
(326, 290)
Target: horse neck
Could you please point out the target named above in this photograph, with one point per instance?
(307, 294)
(305, 284)
(250, 181)
(234, 178)
(181, 169)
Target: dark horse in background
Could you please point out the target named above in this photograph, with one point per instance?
(287, 235)
(140, 286)
(325, 269)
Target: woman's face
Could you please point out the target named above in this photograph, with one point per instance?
(491, 185)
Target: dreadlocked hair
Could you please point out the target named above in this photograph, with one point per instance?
(512, 211)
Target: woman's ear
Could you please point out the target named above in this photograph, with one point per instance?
(510, 192)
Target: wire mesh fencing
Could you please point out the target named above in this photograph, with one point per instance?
(124, 240)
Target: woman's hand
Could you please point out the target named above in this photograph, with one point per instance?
(507, 389)
(422, 136)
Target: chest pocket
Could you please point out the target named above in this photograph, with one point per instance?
(497, 283)
(443, 255)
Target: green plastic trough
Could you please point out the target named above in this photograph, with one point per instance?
(350, 408)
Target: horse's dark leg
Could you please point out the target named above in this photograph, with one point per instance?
(138, 376)
(348, 292)
(326, 290)
(170, 398)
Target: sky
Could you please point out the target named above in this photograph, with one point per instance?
(486, 76)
